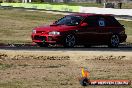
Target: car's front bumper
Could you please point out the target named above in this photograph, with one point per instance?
(50, 39)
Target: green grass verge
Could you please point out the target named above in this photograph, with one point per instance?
(85, 4)
(127, 5)
(16, 25)
(74, 4)
(128, 26)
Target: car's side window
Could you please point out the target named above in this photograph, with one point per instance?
(92, 21)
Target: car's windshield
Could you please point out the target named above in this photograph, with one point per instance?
(70, 20)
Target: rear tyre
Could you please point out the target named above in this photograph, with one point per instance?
(69, 41)
(43, 44)
(114, 41)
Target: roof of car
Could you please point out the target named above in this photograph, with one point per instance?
(90, 14)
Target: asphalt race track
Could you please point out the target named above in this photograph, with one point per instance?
(29, 47)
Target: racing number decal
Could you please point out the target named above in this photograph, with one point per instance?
(101, 22)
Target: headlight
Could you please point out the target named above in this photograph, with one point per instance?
(54, 33)
(34, 31)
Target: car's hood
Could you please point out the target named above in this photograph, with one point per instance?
(55, 28)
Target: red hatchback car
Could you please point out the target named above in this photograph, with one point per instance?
(81, 29)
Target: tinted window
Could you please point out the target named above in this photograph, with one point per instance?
(70, 20)
(92, 21)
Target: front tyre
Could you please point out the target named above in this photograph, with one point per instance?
(114, 41)
(69, 41)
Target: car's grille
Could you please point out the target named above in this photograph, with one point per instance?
(42, 38)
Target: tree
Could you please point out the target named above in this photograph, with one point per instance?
(66, 1)
(99, 1)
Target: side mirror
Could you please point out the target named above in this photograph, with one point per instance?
(84, 24)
